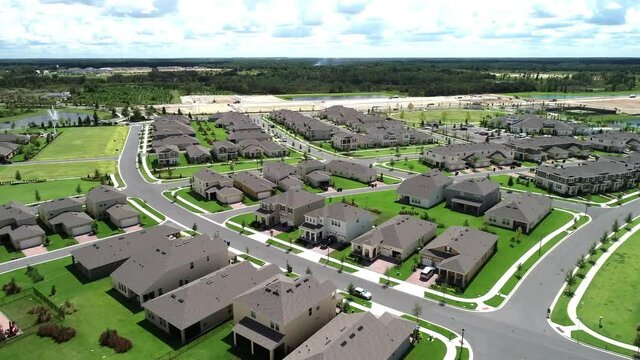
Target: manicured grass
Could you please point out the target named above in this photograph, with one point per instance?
(247, 219)
(410, 165)
(106, 228)
(25, 193)
(448, 116)
(217, 344)
(184, 172)
(146, 206)
(464, 351)
(427, 325)
(173, 199)
(403, 270)
(284, 247)
(195, 199)
(426, 349)
(58, 241)
(357, 300)
(387, 282)
(206, 136)
(337, 265)
(312, 189)
(85, 142)
(7, 252)
(338, 182)
(98, 310)
(613, 293)
(507, 253)
(495, 301)
(57, 171)
(403, 150)
(252, 259)
(584, 337)
(390, 180)
(462, 304)
(503, 180)
(604, 153)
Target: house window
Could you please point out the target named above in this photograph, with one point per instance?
(310, 311)
(275, 326)
(190, 265)
(253, 314)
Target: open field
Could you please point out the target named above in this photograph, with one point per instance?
(334, 95)
(508, 251)
(613, 293)
(25, 193)
(57, 171)
(85, 142)
(447, 116)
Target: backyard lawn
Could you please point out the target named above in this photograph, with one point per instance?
(7, 252)
(93, 300)
(25, 193)
(531, 187)
(106, 228)
(346, 184)
(85, 142)
(195, 198)
(411, 165)
(448, 116)
(206, 136)
(508, 251)
(57, 171)
(613, 293)
(57, 241)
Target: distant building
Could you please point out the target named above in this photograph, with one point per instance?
(351, 170)
(167, 155)
(534, 125)
(252, 185)
(459, 156)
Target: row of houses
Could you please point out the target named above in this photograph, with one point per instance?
(20, 224)
(10, 144)
(187, 286)
(310, 128)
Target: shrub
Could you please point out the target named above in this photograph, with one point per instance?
(68, 308)
(42, 313)
(11, 287)
(58, 333)
(34, 274)
(110, 338)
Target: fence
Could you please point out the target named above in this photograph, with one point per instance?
(58, 313)
(199, 340)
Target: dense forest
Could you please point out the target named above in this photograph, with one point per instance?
(412, 77)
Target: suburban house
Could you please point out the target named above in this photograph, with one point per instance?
(539, 149)
(198, 154)
(339, 221)
(459, 253)
(100, 259)
(312, 172)
(229, 118)
(72, 223)
(224, 150)
(275, 171)
(590, 177)
(123, 216)
(475, 155)
(534, 125)
(310, 128)
(101, 198)
(306, 166)
(151, 273)
(238, 136)
(254, 186)
(14, 138)
(344, 141)
(254, 149)
(396, 238)
(181, 142)
(288, 208)
(202, 304)
(358, 336)
(351, 170)
(472, 196)
(520, 210)
(278, 315)
(8, 150)
(615, 141)
(171, 125)
(424, 190)
(18, 224)
(167, 155)
(212, 185)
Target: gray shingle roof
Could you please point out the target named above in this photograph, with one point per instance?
(208, 175)
(475, 186)
(342, 212)
(254, 182)
(58, 204)
(198, 299)
(467, 247)
(400, 232)
(589, 168)
(121, 211)
(359, 336)
(283, 299)
(293, 198)
(104, 193)
(72, 219)
(523, 207)
(424, 184)
(194, 151)
(15, 212)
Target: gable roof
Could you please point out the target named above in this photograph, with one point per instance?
(283, 299)
(15, 212)
(208, 175)
(342, 212)
(467, 247)
(423, 184)
(253, 182)
(523, 207)
(121, 211)
(401, 231)
(359, 336)
(293, 198)
(72, 219)
(475, 186)
(197, 151)
(207, 295)
(277, 170)
(144, 268)
(105, 193)
(59, 204)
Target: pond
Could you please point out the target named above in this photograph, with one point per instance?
(39, 119)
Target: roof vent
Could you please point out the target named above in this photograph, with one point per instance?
(173, 296)
(352, 336)
(180, 301)
(343, 344)
(360, 328)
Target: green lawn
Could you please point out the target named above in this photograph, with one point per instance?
(531, 187)
(195, 198)
(246, 218)
(57, 171)
(448, 116)
(403, 150)
(93, 300)
(217, 344)
(411, 165)
(346, 184)
(25, 193)
(58, 241)
(106, 228)
(146, 206)
(85, 142)
(583, 337)
(507, 253)
(23, 115)
(209, 132)
(613, 293)
(7, 252)
(183, 172)
(426, 349)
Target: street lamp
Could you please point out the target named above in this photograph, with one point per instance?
(461, 345)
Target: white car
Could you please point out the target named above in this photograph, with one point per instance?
(362, 293)
(427, 273)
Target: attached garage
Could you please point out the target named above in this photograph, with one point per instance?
(26, 236)
(123, 216)
(72, 223)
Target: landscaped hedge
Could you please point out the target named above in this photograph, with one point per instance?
(111, 339)
(58, 333)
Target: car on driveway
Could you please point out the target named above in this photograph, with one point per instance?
(362, 293)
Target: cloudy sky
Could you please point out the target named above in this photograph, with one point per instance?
(318, 28)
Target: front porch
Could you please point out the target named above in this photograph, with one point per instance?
(466, 206)
(266, 339)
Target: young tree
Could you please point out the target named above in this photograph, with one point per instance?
(114, 114)
(350, 288)
(580, 262)
(37, 195)
(570, 279)
(603, 238)
(628, 218)
(194, 227)
(417, 312)
(18, 176)
(387, 273)
(510, 181)
(308, 271)
(615, 227)
(78, 189)
(592, 249)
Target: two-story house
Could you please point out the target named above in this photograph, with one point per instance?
(215, 186)
(101, 198)
(424, 190)
(338, 221)
(472, 196)
(288, 208)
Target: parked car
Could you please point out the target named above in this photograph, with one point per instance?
(427, 273)
(362, 293)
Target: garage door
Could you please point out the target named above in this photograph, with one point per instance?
(81, 230)
(129, 222)
(28, 243)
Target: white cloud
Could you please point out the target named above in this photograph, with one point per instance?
(318, 28)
